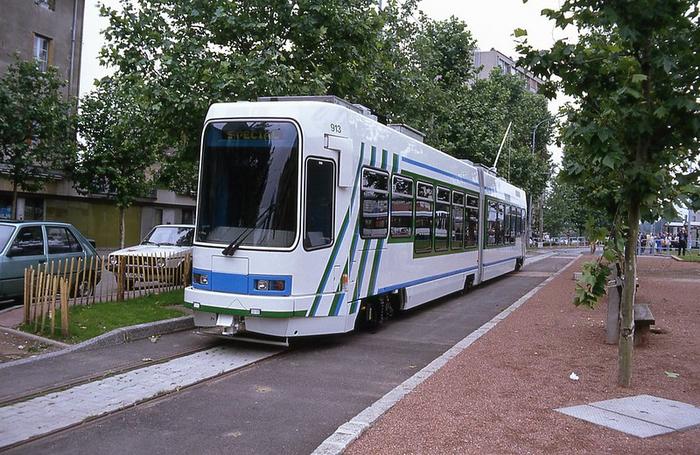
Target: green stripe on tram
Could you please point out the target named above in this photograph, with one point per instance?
(336, 298)
(338, 243)
(241, 312)
(329, 266)
(380, 245)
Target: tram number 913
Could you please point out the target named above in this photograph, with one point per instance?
(335, 128)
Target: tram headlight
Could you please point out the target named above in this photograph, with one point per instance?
(269, 285)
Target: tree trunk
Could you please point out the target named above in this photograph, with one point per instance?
(122, 215)
(14, 201)
(626, 341)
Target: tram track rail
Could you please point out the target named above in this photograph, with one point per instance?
(146, 401)
(96, 377)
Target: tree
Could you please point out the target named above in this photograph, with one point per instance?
(37, 135)
(188, 55)
(567, 211)
(485, 112)
(118, 146)
(404, 66)
(632, 133)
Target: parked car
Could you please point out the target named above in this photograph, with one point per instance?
(30, 243)
(167, 245)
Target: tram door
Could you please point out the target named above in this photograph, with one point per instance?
(373, 226)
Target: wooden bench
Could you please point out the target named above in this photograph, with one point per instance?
(643, 320)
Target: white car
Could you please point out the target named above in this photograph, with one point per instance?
(162, 250)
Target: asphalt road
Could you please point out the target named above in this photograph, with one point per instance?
(290, 403)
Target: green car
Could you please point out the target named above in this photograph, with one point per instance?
(30, 243)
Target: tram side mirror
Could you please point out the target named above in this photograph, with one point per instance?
(347, 161)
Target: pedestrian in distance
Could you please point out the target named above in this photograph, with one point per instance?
(682, 242)
(651, 242)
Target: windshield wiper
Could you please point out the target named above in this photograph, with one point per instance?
(233, 246)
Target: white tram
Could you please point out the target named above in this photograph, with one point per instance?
(312, 217)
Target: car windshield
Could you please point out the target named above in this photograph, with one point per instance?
(5, 234)
(169, 235)
(248, 184)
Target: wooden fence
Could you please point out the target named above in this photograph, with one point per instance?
(77, 281)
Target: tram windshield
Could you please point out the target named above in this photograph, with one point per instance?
(248, 184)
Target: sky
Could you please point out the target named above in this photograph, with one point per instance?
(491, 22)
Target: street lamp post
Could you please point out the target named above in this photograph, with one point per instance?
(532, 152)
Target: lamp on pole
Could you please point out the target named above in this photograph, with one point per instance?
(532, 152)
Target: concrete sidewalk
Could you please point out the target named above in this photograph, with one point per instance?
(500, 395)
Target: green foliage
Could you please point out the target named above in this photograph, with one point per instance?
(592, 284)
(631, 136)
(566, 211)
(594, 232)
(484, 113)
(37, 133)
(188, 55)
(410, 69)
(118, 147)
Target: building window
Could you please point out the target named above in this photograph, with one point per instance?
(401, 207)
(320, 175)
(187, 216)
(375, 204)
(5, 207)
(47, 4)
(33, 209)
(42, 45)
(424, 218)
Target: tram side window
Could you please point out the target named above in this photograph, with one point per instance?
(457, 232)
(506, 224)
(472, 223)
(375, 204)
(492, 223)
(401, 207)
(424, 218)
(500, 235)
(319, 203)
(511, 225)
(442, 219)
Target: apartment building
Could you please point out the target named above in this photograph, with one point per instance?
(486, 61)
(50, 31)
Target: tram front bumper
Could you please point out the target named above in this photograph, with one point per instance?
(223, 303)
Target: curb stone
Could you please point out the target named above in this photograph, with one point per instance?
(115, 337)
(34, 337)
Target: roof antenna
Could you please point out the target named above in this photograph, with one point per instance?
(498, 155)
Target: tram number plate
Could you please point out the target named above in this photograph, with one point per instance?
(225, 320)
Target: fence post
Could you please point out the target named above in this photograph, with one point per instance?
(25, 296)
(64, 309)
(52, 308)
(121, 275)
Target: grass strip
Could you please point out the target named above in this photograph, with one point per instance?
(89, 321)
(690, 257)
